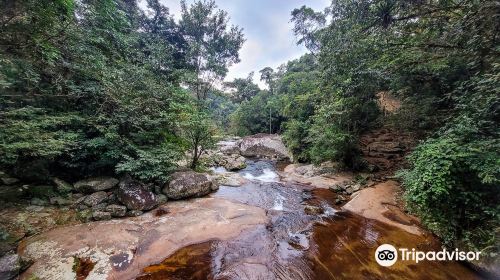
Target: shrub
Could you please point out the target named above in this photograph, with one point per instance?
(453, 185)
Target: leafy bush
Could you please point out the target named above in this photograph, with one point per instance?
(295, 137)
(153, 163)
(454, 185)
(329, 141)
(34, 133)
(255, 115)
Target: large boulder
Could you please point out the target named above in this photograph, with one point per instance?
(95, 184)
(229, 146)
(189, 184)
(264, 145)
(99, 215)
(230, 150)
(231, 179)
(59, 200)
(231, 162)
(135, 196)
(9, 266)
(95, 198)
(116, 210)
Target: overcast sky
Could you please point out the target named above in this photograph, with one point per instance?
(267, 28)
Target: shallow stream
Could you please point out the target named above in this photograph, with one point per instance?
(332, 244)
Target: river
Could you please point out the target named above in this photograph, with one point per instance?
(330, 244)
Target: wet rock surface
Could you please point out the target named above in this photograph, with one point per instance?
(189, 184)
(232, 162)
(231, 179)
(136, 242)
(320, 177)
(379, 203)
(264, 146)
(307, 237)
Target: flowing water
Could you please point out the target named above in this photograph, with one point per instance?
(334, 244)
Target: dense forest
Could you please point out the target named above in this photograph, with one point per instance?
(108, 88)
(103, 86)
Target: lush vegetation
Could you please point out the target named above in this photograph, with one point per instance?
(441, 59)
(105, 87)
(99, 87)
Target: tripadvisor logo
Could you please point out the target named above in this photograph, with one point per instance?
(387, 255)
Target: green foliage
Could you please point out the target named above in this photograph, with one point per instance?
(249, 117)
(453, 185)
(153, 163)
(295, 136)
(308, 27)
(198, 131)
(220, 106)
(93, 87)
(329, 141)
(30, 133)
(242, 89)
(212, 44)
(454, 180)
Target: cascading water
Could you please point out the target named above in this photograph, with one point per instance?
(333, 244)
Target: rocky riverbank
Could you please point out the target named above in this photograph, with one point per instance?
(31, 209)
(249, 218)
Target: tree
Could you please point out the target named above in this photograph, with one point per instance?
(308, 25)
(242, 89)
(198, 131)
(267, 75)
(212, 45)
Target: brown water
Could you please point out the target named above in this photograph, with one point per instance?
(294, 245)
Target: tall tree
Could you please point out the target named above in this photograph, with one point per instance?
(212, 44)
(268, 76)
(308, 26)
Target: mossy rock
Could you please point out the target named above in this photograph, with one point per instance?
(84, 215)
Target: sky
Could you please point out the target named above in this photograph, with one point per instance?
(267, 29)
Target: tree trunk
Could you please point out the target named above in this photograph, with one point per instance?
(194, 161)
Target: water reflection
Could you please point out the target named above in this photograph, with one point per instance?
(293, 245)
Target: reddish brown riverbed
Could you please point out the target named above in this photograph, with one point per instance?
(265, 229)
(293, 245)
